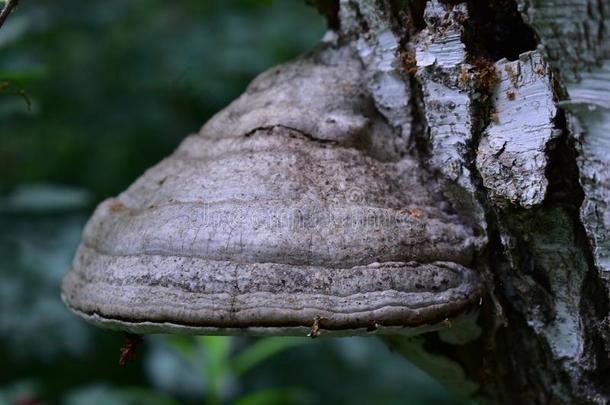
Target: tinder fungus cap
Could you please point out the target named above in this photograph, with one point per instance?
(293, 205)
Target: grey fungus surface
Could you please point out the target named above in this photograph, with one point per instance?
(292, 204)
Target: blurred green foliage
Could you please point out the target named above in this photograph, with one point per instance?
(91, 94)
(115, 85)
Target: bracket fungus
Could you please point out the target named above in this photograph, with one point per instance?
(292, 208)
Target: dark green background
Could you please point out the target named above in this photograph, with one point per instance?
(113, 86)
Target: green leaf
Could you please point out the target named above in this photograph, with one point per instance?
(279, 396)
(147, 396)
(262, 350)
(9, 88)
(184, 345)
(218, 349)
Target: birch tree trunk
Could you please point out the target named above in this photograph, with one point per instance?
(507, 104)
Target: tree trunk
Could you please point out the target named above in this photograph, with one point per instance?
(507, 104)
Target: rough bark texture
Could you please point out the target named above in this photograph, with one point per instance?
(509, 109)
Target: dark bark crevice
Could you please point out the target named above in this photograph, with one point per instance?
(420, 131)
(565, 190)
(496, 30)
(330, 10)
(505, 372)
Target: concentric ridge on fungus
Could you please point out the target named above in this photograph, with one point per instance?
(290, 205)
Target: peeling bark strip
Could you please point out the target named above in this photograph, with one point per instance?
(595, 176)
(512, 155)
(446, 81)
(378, 48)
